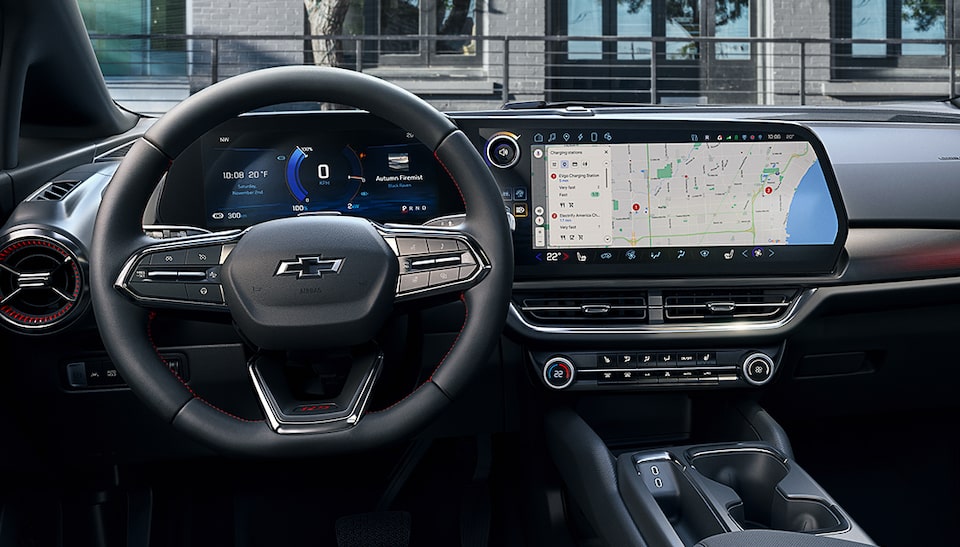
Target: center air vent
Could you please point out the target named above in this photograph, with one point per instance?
(711, 305)
(593, 309)
(40, 283)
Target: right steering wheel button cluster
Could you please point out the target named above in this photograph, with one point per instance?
(428, 263)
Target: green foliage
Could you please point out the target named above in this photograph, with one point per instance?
(726, 10)
(924, 13)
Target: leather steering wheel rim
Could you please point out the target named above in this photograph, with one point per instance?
(118, 234)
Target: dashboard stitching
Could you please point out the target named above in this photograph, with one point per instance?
(193, 393)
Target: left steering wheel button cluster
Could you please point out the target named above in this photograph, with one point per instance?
(187, 276)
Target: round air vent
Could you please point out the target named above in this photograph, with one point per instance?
(41, 281)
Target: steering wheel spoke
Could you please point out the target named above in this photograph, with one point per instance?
(179, 274)
(292, 409)
(434, 260)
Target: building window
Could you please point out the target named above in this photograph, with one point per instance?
(459, 19)
(889, 20)
(137, 57)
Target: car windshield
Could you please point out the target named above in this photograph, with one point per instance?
(481, 54)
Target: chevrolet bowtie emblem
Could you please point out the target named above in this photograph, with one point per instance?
(309, 266)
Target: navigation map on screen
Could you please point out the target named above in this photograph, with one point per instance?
(681, 194)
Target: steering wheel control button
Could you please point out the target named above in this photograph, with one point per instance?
(442, 245)
(162, 290)
(443, 277)
(213, 274)
(162, 275)
(503, 151)
(414, 281)
(203, 256)
(204, 292)
(411, 245)
(758, 368)
(168, 258)
(559, 373)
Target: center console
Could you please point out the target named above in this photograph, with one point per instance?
(735, 493)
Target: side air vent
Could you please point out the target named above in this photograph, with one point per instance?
(56, 190)
(41, 283)
(718, 305)
(572, 308)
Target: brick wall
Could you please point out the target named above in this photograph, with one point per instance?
(798, 19)
(526, 58)
(256, 18)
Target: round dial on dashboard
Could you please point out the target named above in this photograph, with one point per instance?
(503, 150)
(758, 368)
(559, 372)
(324, 181)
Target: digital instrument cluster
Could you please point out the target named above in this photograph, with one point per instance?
(258, 168)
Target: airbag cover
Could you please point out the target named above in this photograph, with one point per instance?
(310, 282)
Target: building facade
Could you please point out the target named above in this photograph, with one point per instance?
(642, 51)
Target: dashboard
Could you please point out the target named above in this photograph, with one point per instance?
(621, 199)
(668, 260)
(653, 250)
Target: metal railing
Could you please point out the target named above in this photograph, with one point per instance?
(458, 72)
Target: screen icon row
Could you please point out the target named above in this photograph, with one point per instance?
(552, 137)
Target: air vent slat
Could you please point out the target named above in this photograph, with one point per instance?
(597, 309)
(718, 305)
(57, 190)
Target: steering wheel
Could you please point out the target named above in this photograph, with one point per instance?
(302, 283)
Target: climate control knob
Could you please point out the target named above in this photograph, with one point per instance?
(757, 368)
(558, 372)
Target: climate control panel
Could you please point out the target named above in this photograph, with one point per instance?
(656, 369)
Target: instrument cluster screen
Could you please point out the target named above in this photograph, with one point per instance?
(255, 174)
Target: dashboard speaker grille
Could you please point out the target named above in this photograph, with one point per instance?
(40, 283)
(579, 309)
(713, 305)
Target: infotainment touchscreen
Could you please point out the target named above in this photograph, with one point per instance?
(739, 198)
(691, 194)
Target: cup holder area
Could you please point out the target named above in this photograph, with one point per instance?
(754, 476)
